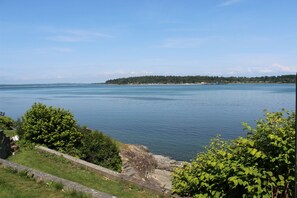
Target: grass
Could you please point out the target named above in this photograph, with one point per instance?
(13, 184)
(60, 167)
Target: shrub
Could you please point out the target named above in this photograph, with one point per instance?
(258, 165)
(50, 126)
(100, 149)
(57, 129)
(6, 123)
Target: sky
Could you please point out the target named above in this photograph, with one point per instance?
(82, 41)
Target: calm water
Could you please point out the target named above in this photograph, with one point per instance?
(173, 120)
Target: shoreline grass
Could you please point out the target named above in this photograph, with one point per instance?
(19, 184)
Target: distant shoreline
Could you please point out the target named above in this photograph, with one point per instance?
(149, 84)
(190, 84)
(201, 80)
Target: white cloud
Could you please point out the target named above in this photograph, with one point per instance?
(63, 38)
(121, 73)
(186, 29)
(273, 69)
(50, 50)
(74, 35)
(62, 49)
(229, 2)
(284, 68)
(182, 42)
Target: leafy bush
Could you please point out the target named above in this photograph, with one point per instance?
(50, 126)
(100, 149)
(258, 165)
(57, 129)
(6, 123)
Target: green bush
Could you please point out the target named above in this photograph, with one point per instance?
(50, 126)
(100, 149)
(57, 129)
(6, 123)
(258, 165)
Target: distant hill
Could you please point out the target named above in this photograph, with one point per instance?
(201, 80)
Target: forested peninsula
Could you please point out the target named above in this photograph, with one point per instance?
(201, 80)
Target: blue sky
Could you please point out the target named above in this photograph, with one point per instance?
(95, 40)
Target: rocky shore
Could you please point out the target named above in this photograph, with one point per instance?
(139, 163)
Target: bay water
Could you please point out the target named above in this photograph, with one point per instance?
(172, 120)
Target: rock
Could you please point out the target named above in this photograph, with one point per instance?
(139, 163)
(165, 163)
(163, 177)
(163, 172)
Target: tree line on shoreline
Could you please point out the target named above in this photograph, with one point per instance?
(201, 80)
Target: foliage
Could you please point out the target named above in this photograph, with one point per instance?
(258, 165)
(50, 126)
(100, 149)
(10, 133)
(57, 129)
(200, 79)
(6, 123)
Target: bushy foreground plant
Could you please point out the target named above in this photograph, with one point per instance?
(100, 149)
(50, 126)
(6, 123)
(258, 165)
(56, 128)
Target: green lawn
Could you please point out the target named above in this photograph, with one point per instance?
(60, 167)
(18, 185)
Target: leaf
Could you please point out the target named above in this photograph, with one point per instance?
(254, 151)
(273, 179)
(252, 143)
(249, 188)
(258, 154)
(281, 177)
(235, 182)
(269, 173)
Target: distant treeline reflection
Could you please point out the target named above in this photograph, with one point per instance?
(201, 80)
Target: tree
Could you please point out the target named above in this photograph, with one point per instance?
(258, 165)
(50, 126)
